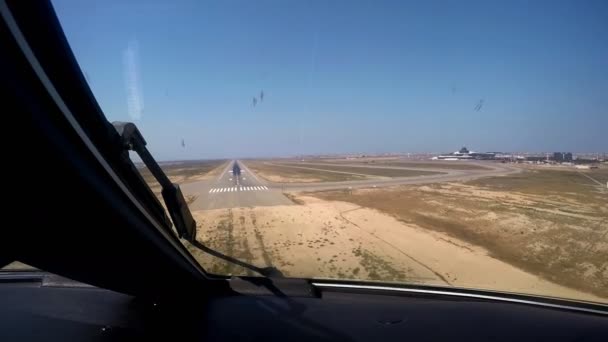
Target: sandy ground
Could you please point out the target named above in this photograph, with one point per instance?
(178, 178)
(334, 239)
(211, 174)
(554, 225)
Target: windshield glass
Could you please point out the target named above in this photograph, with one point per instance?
(450, 143)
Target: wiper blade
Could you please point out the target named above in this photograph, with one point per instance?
(174, 199)
(270, 272)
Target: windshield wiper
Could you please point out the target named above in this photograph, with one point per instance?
(174, 199)
(181, 216)
(270, 272)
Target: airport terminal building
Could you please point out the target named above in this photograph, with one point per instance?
(465, 154)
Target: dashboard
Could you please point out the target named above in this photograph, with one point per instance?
(52, 310)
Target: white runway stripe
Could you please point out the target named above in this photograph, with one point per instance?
(239, 188)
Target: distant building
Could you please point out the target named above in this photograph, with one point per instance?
(465, 154)
(536, 158)
(561, 157)
(558, 157)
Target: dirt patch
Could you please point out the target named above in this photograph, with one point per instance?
(552, 225)
(292, 197)
(335, 239)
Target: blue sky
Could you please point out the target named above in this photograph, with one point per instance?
(347, 76)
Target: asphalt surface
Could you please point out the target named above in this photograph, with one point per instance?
(229, 191)
(248, 190)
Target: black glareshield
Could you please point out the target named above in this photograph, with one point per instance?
(172, 195)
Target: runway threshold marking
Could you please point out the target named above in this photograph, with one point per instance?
(238, 189)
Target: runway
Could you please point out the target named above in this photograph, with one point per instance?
(230, 191)
(248, 190)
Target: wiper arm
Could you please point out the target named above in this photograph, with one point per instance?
(174, 199)
(270, 272)
(172, 195)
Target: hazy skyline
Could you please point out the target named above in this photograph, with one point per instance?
(348, 76)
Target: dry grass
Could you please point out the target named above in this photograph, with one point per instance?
(599, 174)
(283, 173)
(363, 170)
(454, 165)
(334, 239)
(552, 224)
(182, 172)
(312, 173)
